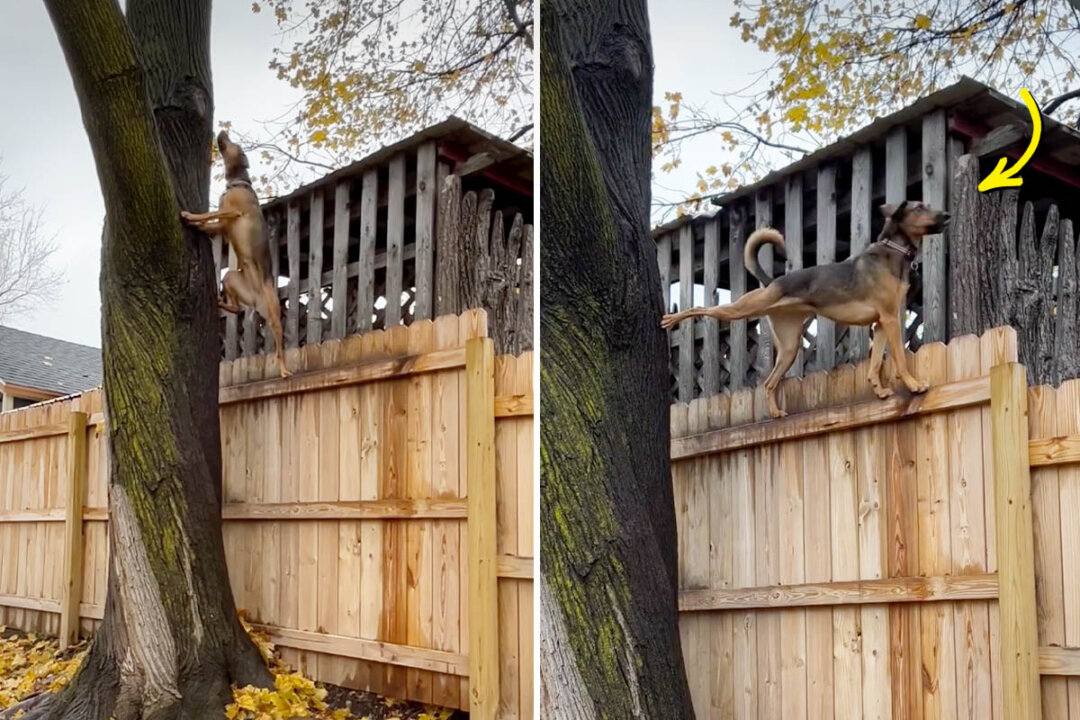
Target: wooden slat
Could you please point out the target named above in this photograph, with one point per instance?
(935, 176)
(315, 265)
(896, 165)
(937, 644)
(365, 289)
(1059, 661)
(292, 245)
(862, 181)
(663, 260)
(915, 589)
(763, 217)
(1012, 491)
(1067, 501)
(482, 570)
(793, 241)
(73, 530)
(426, 198)
(826, 253)
(513, 405)
(340, 278)
(232, 320)
(395, 239)
(686, 301)
(710, 350)
(738, 352)
(971, 627)
(815, 422)
(388, 509)
(335, 377)
(744, 555)
(371, 650)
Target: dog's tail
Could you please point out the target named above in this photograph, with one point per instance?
(758, 238)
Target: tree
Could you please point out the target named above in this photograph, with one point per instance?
(371, 70)
(608, 590)
(25, 253)
(837, 64)
(170, 642)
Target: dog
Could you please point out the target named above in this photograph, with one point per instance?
(868, 289)
(240, 221)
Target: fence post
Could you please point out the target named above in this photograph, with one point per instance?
(1016, 555)
(73, 530)
(483, 587)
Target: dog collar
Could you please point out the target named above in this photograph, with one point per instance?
(906, 251)
(237, 183)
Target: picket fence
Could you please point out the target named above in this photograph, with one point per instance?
(377, 513)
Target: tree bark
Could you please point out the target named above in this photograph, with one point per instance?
(170, 642)
(609, 622)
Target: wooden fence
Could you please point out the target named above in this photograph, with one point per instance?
(377, 512)
(907, 558)
(1002, 261)
(369, 249)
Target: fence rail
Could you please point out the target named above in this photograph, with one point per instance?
(367, 532)
(919, 561)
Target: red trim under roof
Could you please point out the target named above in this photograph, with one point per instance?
(975, 130)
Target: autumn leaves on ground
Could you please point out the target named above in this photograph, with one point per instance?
(30, 665)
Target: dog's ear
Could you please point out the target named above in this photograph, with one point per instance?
(892, 210)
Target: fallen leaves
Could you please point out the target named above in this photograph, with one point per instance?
(30, 665)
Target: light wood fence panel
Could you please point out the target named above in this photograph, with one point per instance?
(346, 513)
(844, 561)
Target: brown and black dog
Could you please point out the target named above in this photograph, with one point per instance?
(869, 289)
(239, 220)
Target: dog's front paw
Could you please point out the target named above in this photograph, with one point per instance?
(884, 392)
(186, 216)
(918, 387)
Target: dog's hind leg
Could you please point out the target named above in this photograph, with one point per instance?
(787, 330)
(754, 303)
(270, 308)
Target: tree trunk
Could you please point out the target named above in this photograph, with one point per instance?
(609, 623)
(170, 642)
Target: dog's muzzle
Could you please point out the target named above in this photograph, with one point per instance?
(943, 219)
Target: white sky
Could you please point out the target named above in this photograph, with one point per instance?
(45, 151)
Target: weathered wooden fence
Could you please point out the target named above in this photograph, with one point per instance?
(372, 249)
(377, 512)
(908, 558)
(993, 267)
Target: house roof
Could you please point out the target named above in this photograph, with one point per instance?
(511, 161)
(972, 98)
(45, 363)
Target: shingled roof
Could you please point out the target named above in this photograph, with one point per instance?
(45, 363)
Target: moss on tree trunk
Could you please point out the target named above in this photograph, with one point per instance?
(609, 632)
(170, 642)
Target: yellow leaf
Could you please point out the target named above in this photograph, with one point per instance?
(922, 21)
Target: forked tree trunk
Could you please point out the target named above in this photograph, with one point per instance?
(170, 642)
(609, 626)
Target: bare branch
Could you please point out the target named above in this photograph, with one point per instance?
(25, 253)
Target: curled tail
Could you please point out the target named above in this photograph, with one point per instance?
(758, 238)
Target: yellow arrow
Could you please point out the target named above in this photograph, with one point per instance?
(999, 177)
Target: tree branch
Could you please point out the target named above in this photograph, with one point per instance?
(1060, 100)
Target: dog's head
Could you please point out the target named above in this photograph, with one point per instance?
(236, 161)
(914, 219)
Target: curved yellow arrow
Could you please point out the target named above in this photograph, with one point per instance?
(999, 177)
